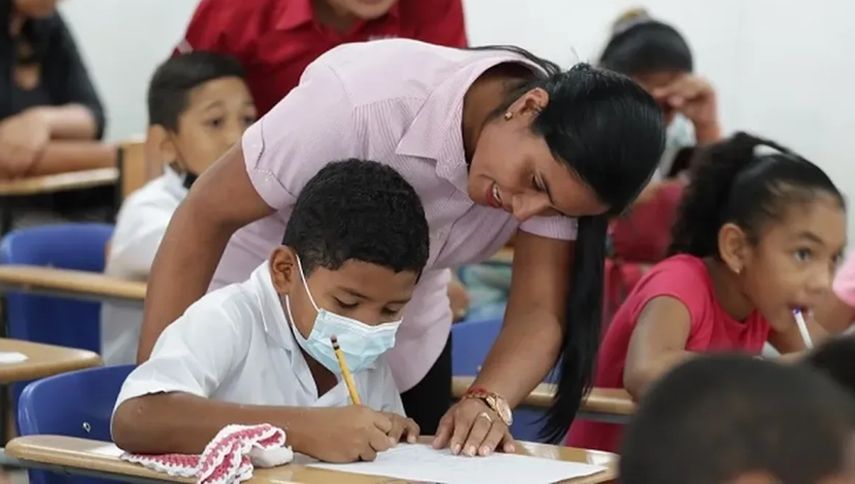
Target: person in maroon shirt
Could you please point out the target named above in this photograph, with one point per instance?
(276, 39)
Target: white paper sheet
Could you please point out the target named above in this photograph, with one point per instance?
(420, 462)
(7, 357)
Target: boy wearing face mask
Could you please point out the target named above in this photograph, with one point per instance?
(199, 105)
(260, 352)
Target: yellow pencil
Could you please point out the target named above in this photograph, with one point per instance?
(345, 372)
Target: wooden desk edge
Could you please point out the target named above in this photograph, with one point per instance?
(34, 449)
(77, 453)
(39, 366)
(73, 180)
(611, 401)
(26, 278)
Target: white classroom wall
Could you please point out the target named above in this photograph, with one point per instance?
(782, 68)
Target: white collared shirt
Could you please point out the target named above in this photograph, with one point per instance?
(140, 226)
(236, 345)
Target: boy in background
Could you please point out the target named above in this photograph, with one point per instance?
(199, 106)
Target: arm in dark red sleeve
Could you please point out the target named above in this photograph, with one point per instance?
(441, 23)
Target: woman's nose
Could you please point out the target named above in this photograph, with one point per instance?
(525, 207)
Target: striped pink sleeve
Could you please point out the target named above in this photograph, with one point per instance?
(555, 227)
(844, 281)
(307, 129)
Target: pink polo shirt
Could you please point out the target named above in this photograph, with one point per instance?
(398, 102)
(844, 281)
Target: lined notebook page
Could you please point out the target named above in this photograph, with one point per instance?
(419, 462)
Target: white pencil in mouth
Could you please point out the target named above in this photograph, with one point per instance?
(803, 330)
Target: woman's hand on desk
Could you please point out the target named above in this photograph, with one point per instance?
(472, 428)
(22, 139)
(345, 434)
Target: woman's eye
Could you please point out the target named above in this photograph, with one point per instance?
(803, 255)
(215, 123)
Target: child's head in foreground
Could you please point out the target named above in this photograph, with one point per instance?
(199, 106)
(836, 358)
(770, 222)
(736, 419)
(354, 248)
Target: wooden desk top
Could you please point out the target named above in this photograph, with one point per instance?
(68, 282)
(80, 453)
(42, 360)
(505, 255)
(612, 401)
(75, 180)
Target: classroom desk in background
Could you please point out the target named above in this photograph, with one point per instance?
(73, 455)
(58, 182)
(42, 360)
(505, 255)
(78, 165)
(71, 284)
(610, 405)
(21, 188)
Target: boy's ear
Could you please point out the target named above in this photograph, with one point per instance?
(284, 271)
(161, 144)
(733, 247)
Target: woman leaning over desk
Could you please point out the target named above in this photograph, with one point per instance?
(496, 142)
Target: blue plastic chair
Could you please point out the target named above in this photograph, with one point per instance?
(47, 319)
(55, 320)
(75, 404)
(470, 343)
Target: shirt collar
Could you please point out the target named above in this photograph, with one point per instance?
(174, 182)
(293, 14)
(437, 130)
(275, 322)
(436, 133)
(296, 13)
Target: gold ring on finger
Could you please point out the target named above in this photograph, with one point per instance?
(487, 416)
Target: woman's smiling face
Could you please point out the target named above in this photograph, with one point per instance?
(513, 169)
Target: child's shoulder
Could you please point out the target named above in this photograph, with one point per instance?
(162, 194)
(680, 267)
(683, 277)
(235, 302)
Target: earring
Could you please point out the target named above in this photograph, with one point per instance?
(508, 116)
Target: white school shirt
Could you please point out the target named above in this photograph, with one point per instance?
(236, 345)
(140, 226)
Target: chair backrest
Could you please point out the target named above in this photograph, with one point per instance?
(75, 404)
(470, 343)
(54, 320)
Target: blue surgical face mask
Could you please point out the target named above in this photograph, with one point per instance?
(361, 344)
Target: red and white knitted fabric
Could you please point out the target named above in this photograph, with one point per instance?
(230, 457)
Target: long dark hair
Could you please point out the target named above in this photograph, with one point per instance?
(641, 44)
(734, 184)
(610, 132)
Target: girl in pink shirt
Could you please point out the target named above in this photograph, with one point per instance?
(496, 142)
(758, 236)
